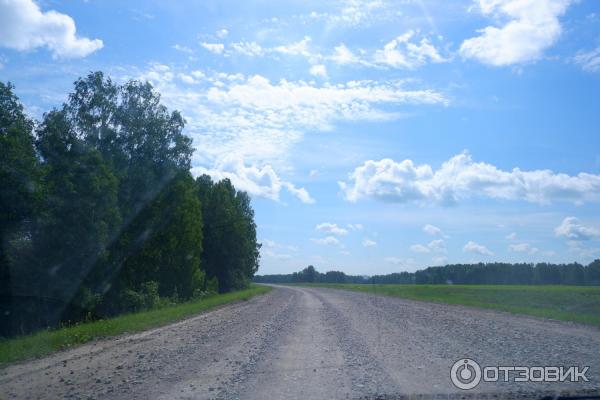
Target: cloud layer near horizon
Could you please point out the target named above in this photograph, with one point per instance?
(461, 178)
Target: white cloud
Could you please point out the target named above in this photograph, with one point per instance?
(23, 26)
(472, 247)
(511, 236)
(368, 242)
(187, 78)
(222, 33)
(355, 227)
(251, 49)
(301, 193)
(251, 121)
(332, 229)
(588, 60)
(183, 49)
(295, 48)
(402, 53)
(523, 248)
(216, 48)
(262, 181)
(313, 173)
(432, 230)
(532, 26)
(461, 178)
(572, 229)
(435, 246)
(326, 241)
(419, 248)
(343, 55)
(318, 70)
(359, 12)
(254, 49)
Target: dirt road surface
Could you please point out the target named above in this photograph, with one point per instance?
(312, 343)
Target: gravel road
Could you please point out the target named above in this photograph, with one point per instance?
(312, 343)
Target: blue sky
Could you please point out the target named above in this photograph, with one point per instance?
(374, 136)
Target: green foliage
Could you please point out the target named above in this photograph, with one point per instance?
(47, 341)
(19, 194)
(231, 253)
(100, 215)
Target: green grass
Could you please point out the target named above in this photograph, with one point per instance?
(567, 303)
(48, 341)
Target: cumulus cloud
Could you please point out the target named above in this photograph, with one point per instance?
(572, 229)
(511, 236)
(530, 28)
(23, 26)
(252, 119)
(523, 248)
(301, 193)
(472, 247)
(296, 48)
(254, 49)
(216, 48)
(461, 178)
(326, 241)
(332, 229)
(251, 49)
(432, 230)
(318, 70)
(401, 52)
(357, 12)
(257, 181)
(435, 246)
(343, 55)
(369, 242)
(314, 105)
(588, 60)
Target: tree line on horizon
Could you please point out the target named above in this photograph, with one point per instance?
(100, 215)
(488, 274)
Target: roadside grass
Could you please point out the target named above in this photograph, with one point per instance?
(566, 303)
(47, 341)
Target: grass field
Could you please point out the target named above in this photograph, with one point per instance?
(567, 303)
(45, 342)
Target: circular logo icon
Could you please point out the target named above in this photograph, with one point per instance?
(465, 374)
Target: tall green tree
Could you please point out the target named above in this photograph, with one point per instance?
(80, 213)
(19, 193)
(101, 210)
(170, 250)
(231, 251)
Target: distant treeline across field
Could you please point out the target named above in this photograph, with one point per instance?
(489, 274)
